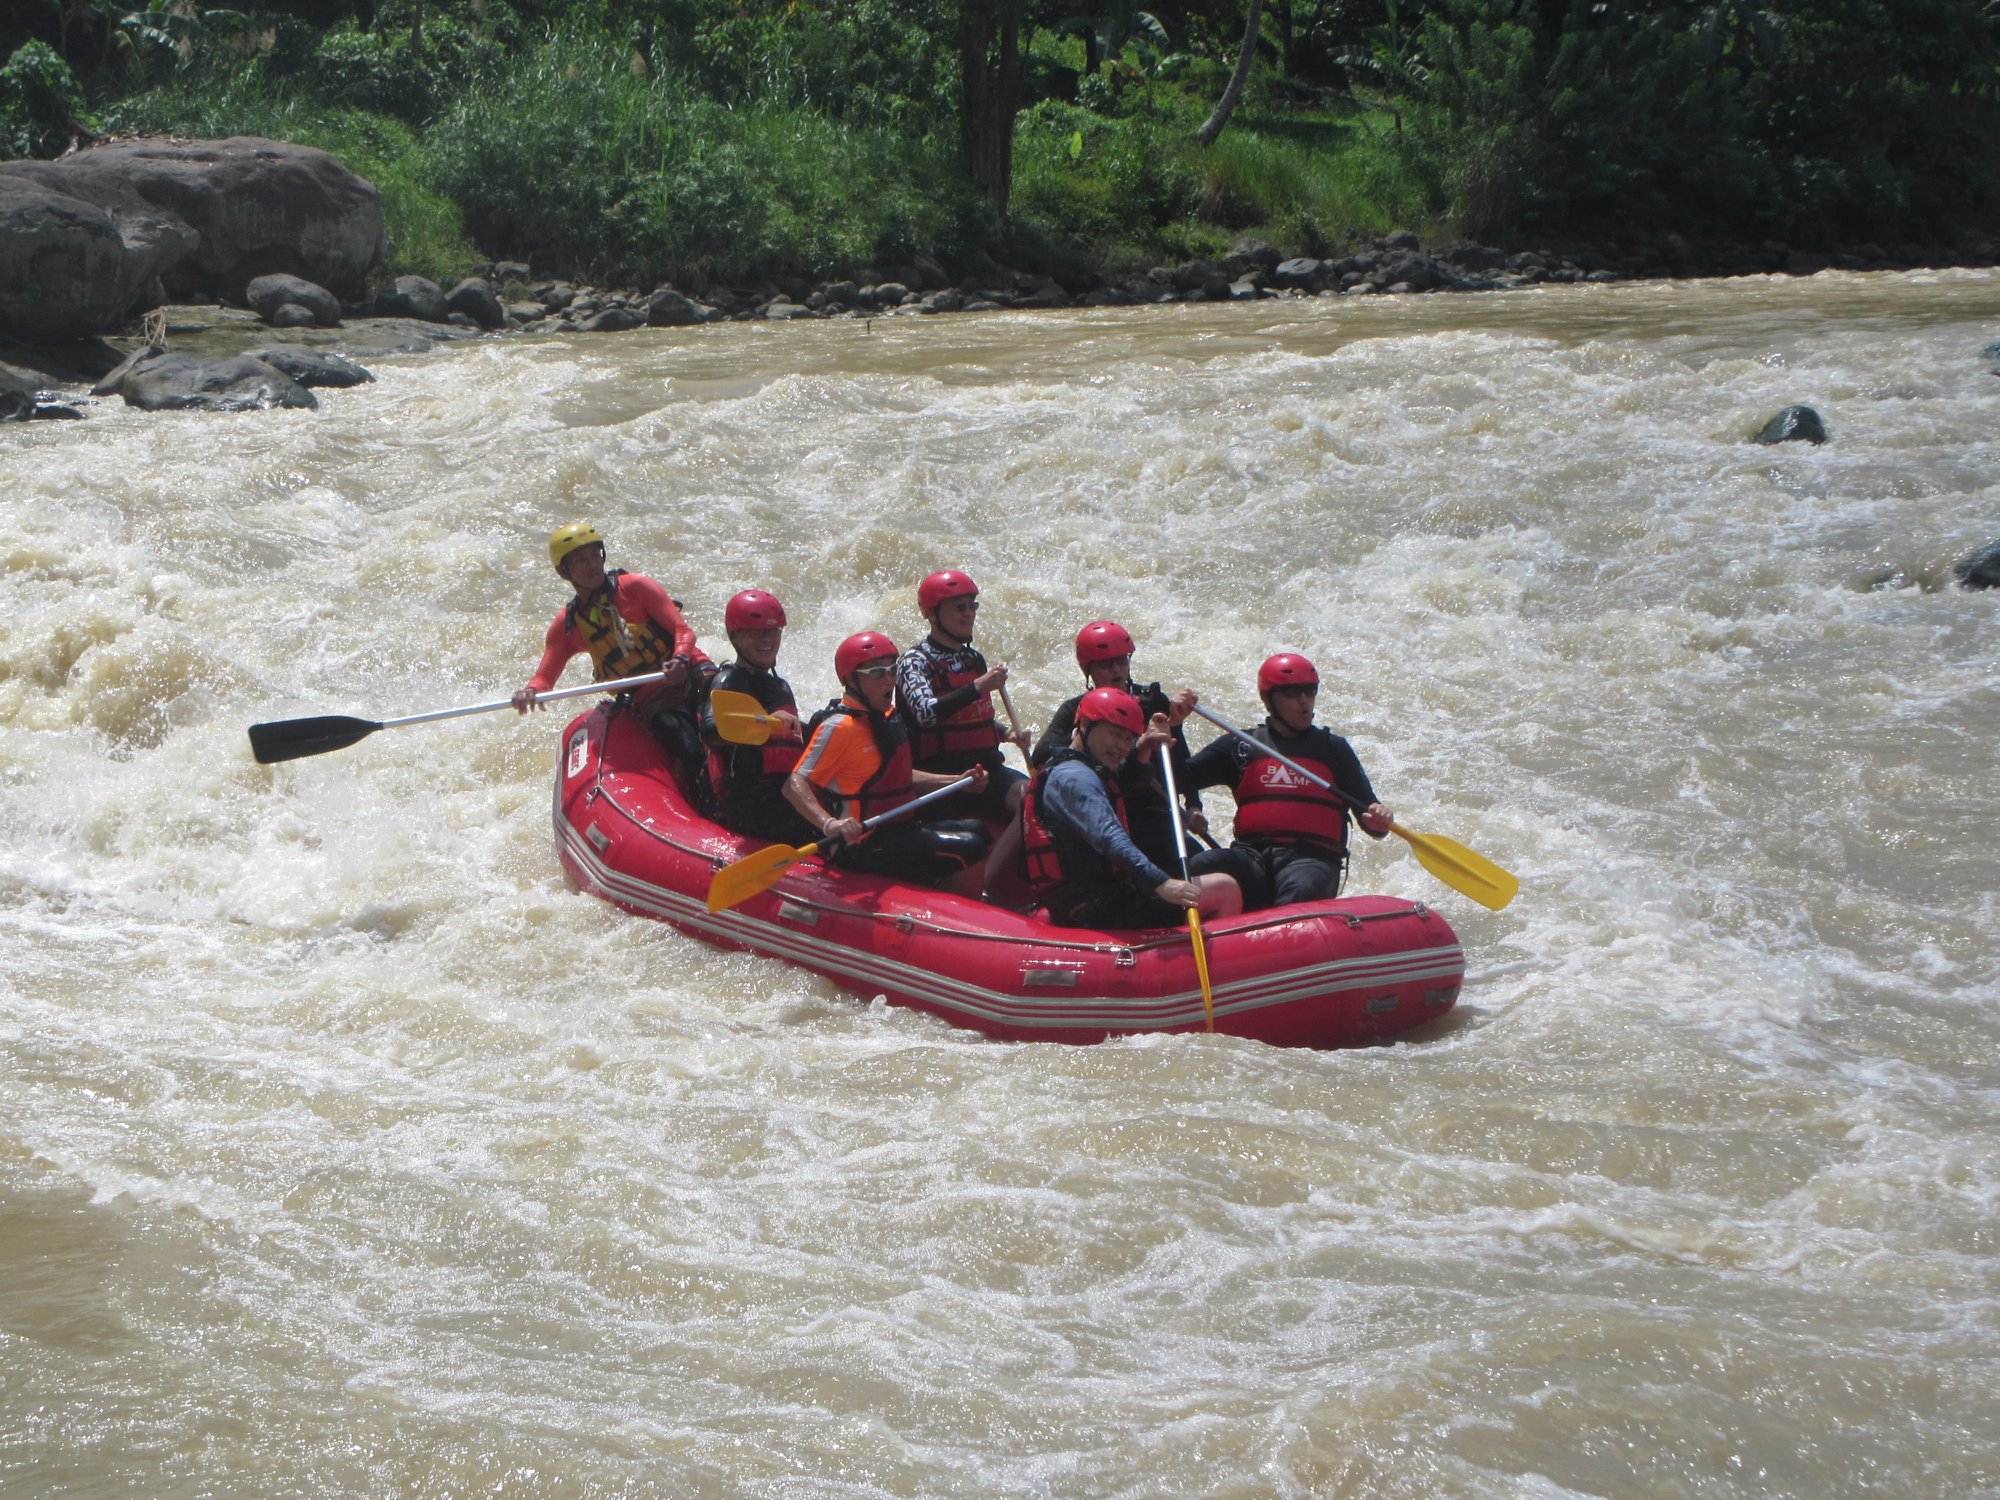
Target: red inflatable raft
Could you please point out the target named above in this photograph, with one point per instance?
(1327, 974)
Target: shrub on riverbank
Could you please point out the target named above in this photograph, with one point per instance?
(580, 156)
(646, 139)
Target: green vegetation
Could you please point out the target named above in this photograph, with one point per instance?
(642, 140)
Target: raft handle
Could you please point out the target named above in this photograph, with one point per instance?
(1123, 958)
(798, 911)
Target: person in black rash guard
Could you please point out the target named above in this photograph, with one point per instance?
(1291, 836)
(944, 696)
(1104, 651)
(750, 779)
(1076, 843)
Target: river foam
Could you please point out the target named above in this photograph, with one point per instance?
(344, 1149)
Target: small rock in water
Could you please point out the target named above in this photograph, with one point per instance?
(474, 298)
(414, 297)
(311, 367)
(269, 296)
(668, 308)
(1979, 570)
(1794, 424)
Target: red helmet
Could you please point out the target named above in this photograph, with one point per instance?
(950, 584)
(753, 609)
(857, 649)
(1286, 669)
(1101, 640)
(1108, 705)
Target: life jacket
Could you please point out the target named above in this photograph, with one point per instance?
(970, 734)
(736, 769)
(893, 782)
(1041, 861)
(1276, 805)
(618, 647)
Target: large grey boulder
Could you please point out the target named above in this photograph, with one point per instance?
(184, 382)
(257, 206)
(69, 268)
(86, 240)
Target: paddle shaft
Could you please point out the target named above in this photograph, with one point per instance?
(1319, 781)
(1194, 913)
(617, 685)
(826, 845)
(1013, 719)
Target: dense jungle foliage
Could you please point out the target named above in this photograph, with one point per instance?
(655, 139)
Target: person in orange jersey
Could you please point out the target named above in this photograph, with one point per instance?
(857, 765)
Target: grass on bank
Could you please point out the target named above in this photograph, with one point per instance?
(576, 155)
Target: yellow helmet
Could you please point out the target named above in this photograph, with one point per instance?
(568, 538)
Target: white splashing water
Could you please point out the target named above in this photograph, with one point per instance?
(343, 1150)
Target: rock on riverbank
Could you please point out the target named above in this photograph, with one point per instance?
(90, 240)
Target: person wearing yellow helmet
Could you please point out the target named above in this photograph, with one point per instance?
(628, 625)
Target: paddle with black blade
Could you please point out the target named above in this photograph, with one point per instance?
(734, 884)
(1194, 916)
(293, 739)
(1460, 868)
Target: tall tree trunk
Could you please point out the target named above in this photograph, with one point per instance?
(989, 49)
(1233, 95)
(1283, 10)
(417, 32)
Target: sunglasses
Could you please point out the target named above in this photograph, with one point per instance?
(961, 603)
(875, 673)
(1298, 689)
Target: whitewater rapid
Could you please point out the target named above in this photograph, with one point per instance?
(344, 1150)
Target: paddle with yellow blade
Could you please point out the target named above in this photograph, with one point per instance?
(1460, 868)
(293, 739)
(737, 883)
(1194, 917)
(740, 718)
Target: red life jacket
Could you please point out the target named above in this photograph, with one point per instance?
(1276, 805)
(972, 731)
(1040, 863)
